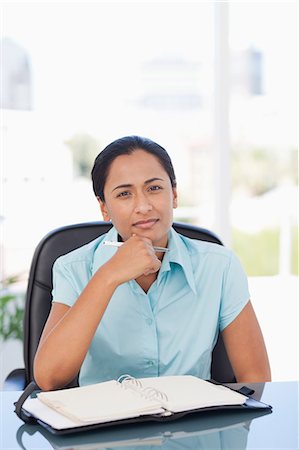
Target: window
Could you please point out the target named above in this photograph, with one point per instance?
(100, 71)
(264, 133)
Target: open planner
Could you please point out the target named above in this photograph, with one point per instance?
(216, 430)
(130, 400)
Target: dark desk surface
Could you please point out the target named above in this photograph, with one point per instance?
(215, 431)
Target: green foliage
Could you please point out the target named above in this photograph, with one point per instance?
(258, 170)
(11, 311)
(259, 252)
(84, 149)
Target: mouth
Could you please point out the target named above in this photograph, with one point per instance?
(145, 224)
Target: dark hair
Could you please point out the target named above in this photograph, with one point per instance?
(126, 146)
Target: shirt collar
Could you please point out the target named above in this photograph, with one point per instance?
(178, 254)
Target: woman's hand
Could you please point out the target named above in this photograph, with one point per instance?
(134, 258)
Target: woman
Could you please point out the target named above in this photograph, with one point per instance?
(134, 310)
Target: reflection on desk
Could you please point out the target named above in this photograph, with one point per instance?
(217, 431)
(210, 430)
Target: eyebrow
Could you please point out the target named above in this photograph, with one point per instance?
(128, 185)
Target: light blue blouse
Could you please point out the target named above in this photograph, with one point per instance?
(170, 330)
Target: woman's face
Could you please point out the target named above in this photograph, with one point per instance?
(139, 198)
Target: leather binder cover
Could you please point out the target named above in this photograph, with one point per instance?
(250, 405)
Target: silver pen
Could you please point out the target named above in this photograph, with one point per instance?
(119, 244)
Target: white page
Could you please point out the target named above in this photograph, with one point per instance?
(59, 421)
(48, 415)
(188, 392)
(99, 402)
(110, 401)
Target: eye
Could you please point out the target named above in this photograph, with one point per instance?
(123, 194)
(155, 188)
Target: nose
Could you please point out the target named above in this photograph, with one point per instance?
(143, 204)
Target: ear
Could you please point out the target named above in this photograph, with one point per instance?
(104, 210)
(175, 198)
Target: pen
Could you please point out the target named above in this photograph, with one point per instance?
(119, 244)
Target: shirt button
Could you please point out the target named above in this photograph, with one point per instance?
(149, 321)
(150, 363)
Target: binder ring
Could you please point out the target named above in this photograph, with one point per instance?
(128, 379)
(152, 393)
(128, 382)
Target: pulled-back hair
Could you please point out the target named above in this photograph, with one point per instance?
(126, 146)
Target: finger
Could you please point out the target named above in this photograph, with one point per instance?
(155, 267)
(149, 271)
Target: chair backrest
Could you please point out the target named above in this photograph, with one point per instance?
(38, 296)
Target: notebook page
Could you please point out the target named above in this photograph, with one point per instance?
(188, 392)
(53, 418)
(41, 411)
(99, 402)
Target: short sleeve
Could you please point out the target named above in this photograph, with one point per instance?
(235, 292)
(64, 290)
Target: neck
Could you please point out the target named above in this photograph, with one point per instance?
(145, 281)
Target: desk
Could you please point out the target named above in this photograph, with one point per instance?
(214, 431)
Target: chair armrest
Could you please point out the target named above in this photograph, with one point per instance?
(15, 381)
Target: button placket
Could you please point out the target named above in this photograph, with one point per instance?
(149, 338)
(151, 354)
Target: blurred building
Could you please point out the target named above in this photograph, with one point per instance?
(16, 75)
(247, 72)
(171, 84)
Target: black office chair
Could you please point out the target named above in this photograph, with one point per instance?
(38, 296)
